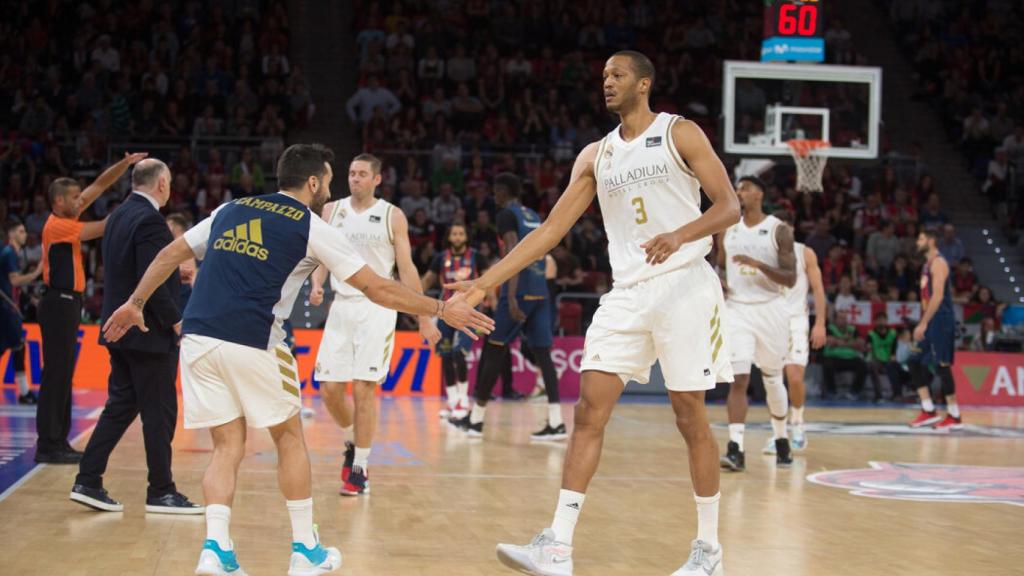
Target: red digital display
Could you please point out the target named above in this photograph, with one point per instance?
(793, 18)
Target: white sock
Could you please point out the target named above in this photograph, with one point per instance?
(927, 405)
(707, 518)
(736, 434)
(555, 415)
(362, 457)
(19, 377)
(779, 428)
(453, 396)
(953, 408)
(477, 415)
(568, 511)
(218, 519)
(796, 415)
(463, 388)
(301, 513)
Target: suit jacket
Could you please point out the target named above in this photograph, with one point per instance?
(134, 234)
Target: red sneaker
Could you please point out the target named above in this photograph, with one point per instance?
(949, 423)
(358, 483)
(350, 456)
(925, 419)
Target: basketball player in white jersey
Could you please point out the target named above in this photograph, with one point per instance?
(358, 338)
(665, 304)
(760, 265)
(808, 276)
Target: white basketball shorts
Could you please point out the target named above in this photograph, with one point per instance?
(358, 341)
(222, 381)
(799, 341)
(758, 334)
(675, 318)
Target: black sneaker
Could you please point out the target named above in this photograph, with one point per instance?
(783, 455)
(95, 498)
(513, 395)
(173, 503)
(549, 433)
(69, 448)
(471, 430)
(358, 483)
(58, 456)
(350, 457)
(734, 461)
(28, 398)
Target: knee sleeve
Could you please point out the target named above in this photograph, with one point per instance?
(920, 376)
(946, 377)
(777, 397)
(542, 358)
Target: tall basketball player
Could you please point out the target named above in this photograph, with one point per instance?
(935, 338)
(760, 265)
(808, 275)
(456, 263)
(359, 335)
(647, 175)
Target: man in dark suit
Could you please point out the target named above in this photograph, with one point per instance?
(144, 364)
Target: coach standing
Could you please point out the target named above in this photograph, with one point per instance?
(143, 364)
(60, 309)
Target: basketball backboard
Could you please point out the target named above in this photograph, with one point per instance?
(766, 104)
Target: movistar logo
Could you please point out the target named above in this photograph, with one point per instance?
(244, 239)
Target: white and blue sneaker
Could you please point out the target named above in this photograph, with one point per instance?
(216, 562)
(705, 560)
(313, 561)
(798, 438)
(769, 446)
(543, 556)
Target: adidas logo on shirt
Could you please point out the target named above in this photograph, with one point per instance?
(244, 239)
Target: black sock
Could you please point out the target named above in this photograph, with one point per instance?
(491, 363)
(460, 366)
(542, 359)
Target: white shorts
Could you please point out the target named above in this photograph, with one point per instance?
(758, 334)
(799, 341)
(358, 341)
(222, 381)
(675, 318)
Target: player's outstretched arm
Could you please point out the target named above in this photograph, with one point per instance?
(570, 206)
(820, 304)
(130, 313)
(108, 177)
(695, 149)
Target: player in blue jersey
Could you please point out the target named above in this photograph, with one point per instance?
(522, 307)
(11, 332)
(235, 368)
(935, 338)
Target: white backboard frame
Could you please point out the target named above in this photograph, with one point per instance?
(870, 75)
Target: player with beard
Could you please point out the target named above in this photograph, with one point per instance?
(235, 369)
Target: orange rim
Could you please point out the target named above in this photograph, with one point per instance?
(802, 148)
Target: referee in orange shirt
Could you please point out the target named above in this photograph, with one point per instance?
(60, 310)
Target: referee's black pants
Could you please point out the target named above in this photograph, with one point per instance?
(141, 383)
(60, 313)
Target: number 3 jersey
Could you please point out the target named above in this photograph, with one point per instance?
(645, 188)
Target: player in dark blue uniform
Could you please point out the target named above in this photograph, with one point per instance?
(11, 333)
(522, 308)
(935, 338)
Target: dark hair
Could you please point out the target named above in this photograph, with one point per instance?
(510, 182)
(11, 225)
(642, 65)
(60, 187)
(300, 161)
(784, 215)
(372, 160)
(755, 181)
(146, 173)
(932, 233)
(180, 219)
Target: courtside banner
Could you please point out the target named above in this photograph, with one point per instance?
(415, 367)
(989, 379)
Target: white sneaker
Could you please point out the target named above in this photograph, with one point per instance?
(799, 438)
(704, 561)
(769, 446)
(216, 562)
(313, 561)
(461, 410)
(541, 557)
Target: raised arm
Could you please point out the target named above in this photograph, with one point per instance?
(696, 151)
(570, 206)
(785, 272)
(820, 303)
(107, 179)
(407, 271)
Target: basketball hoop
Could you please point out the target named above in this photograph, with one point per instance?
(810, 157)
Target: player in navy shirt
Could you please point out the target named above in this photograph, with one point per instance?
(235, 368)
(11, 332)
(522, 308)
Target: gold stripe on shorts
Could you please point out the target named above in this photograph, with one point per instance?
(290, 388)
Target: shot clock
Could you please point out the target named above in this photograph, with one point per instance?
(793, 31)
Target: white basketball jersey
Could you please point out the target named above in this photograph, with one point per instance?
(645, 189)
(748, 285)
(370, 233)
(796, 297)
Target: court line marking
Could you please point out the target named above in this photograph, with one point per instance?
(38, 467)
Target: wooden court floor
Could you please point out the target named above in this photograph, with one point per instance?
(441, 502)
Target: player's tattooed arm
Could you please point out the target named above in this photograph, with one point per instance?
(785, 272)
